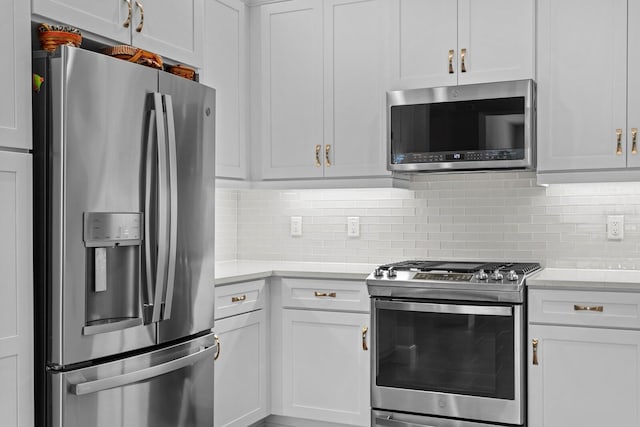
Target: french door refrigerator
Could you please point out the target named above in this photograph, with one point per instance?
(124, 244)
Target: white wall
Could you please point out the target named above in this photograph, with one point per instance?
(484, 216)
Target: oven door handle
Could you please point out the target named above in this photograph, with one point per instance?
(483, 310)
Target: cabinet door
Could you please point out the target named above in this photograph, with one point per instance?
(356, 77)
(15, 75)
(170, 28)
(106, 18)
(325, 366)
(497, 40)
(423, 32)
(633, 93)
(16, 290)
(582, 77)
(291, 70)
(224, 68)
(240, 396)
(584, 377)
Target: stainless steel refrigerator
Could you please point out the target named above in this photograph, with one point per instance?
(124, 244)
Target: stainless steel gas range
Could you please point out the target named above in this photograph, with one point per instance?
(448, 343)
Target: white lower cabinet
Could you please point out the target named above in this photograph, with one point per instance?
(241, 384)
(326, 366)
(16, 290)
(583, 376)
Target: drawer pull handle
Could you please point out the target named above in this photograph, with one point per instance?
(215, 357)
(364, 338)
(598, 308)
(239, 299)
(325, 294)
(534, 343)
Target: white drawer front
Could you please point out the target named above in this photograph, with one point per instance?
(239, 298)
(585, 308)
(325, 294)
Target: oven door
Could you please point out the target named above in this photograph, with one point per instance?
(448, 359)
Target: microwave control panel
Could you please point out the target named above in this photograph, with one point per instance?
(459, 156)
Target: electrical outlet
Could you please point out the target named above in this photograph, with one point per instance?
(615, 227)
(296, 226)
(353, 226)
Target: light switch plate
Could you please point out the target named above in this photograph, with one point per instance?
(296, 226)
(615, 227)
(353, 226)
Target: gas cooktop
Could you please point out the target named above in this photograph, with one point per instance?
(469, 280)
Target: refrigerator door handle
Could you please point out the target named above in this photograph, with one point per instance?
(162, 205)
(95, 386)
(149, 259)
(173, 205)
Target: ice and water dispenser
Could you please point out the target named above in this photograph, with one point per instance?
(113, 244)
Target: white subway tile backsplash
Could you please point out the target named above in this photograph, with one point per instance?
(475, 216)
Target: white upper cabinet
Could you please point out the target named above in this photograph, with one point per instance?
(582, 85)
(322, 88)
(15, 75)
(444, 43)
(168, 28)
(291, 82)
(355, 81)
(224, 68)
(633, 90)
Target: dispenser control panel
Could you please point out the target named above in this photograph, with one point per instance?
(105, 229)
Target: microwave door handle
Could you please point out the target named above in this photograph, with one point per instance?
(482, 310)
(161, 207)
(172, 172)
(96, 386)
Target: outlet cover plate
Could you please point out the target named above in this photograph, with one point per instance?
(353, 226)
(296, 226)
(615, 227)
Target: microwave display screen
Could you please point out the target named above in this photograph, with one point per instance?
(460, 131)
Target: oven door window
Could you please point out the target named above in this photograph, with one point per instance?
(446, 348)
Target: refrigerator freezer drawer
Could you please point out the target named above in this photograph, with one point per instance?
(171, 387)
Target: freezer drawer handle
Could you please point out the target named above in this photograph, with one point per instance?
(141, 375)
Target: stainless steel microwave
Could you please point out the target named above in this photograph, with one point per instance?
(472, 127)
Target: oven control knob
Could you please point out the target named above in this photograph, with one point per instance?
(377, 272)
(481, 275)
(392, 272)
(512, 276)
(496, 275)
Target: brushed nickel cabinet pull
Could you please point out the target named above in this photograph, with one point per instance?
(141, 24)
(463, 54)
(364, 338)
(451, 53)
(634, 140)
(325, 294)
(327, 149)
(128, 21)
(318, 163)
(239, 299)
(534, 342)
(215, 357)
(619, 140)
(598, 308)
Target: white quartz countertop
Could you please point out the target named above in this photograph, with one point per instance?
(228, 272)
(587, 279)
